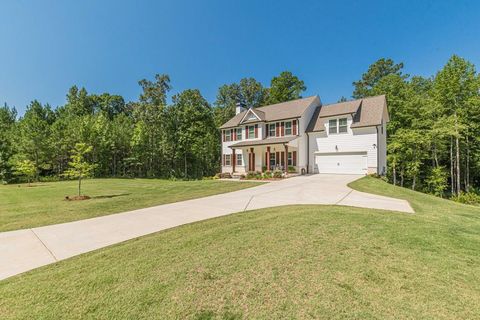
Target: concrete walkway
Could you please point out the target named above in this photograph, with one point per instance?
(27, 249)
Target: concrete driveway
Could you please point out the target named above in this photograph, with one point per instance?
(26, 249)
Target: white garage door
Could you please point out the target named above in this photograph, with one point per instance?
(346, 163)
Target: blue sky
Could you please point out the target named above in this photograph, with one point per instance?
(107, 46)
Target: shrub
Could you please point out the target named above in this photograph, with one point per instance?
(291, 169)
(437, 181)
(264, 168)
(223, 175)
(468, 198)
(277, 174)
(267, 174)
(250, 175)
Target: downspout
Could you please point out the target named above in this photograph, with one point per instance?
(378, 158)
(308, 150)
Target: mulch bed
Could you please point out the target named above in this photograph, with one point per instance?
(75, 198)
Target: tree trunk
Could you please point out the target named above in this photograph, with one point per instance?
(457, 156)
(452, 178)
(394, 174)
(467, 168)
(185, 164)
(413, 182)
(79, 186)
(457, 160)
(401, 177)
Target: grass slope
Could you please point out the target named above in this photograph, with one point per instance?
(294, 262)
(43, 204)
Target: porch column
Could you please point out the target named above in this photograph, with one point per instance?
(234, 160)
(268, 159)
(286, 159)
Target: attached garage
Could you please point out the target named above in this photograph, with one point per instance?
(341, 163)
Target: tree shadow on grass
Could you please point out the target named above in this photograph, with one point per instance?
(111, 196)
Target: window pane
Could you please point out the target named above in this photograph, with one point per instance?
(289, 159)
(271, 130)
(332, 126)
(288, 128)
(239, 160)
(227, 135)
(239, 134)
(227, 160)
(251, 132)
(342, 125)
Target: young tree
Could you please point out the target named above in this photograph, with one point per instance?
(79, 167)
(26, 168)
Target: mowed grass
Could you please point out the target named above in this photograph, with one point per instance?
(44, 203)
(295, 262)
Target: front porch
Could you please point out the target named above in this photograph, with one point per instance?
(263, 155)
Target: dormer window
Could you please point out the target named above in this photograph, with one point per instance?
(337, 126)
(251, 117)
(342, 125)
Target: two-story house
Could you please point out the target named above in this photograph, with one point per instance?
(303, 135)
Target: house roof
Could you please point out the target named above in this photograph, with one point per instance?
(251, 143)
(273, 112)
(366, 112)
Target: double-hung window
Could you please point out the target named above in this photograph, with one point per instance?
(228, 159)
(342, 125)
(239, 134)
(251, 132)
(228, 135)
(332, 126)
(239, 158)
(288, 128)
(271, 130)
(337, 126)
(290, 159)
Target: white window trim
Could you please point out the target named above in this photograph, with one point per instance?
(239, 157)
(345, 126)
(228, 160)
(228, 135)
(337, 126)
(285, 128)
(274, 125)
(239, 137)
(251, 136)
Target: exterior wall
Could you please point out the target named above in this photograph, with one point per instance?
(303, 152)
(357, 139)
(227, 150)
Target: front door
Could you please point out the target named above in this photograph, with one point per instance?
(251, 161)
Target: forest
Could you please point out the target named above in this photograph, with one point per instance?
(433, 134)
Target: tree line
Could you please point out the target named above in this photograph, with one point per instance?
(433, 133)
(434, 130)
(152, 137)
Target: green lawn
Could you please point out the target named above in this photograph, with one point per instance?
(43, 203)
(298, 262)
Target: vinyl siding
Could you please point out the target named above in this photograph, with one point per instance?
(359, 139)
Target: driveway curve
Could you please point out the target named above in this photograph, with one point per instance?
(27, 249)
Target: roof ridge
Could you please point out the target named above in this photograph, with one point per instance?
(274, 104)
(353, 100)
